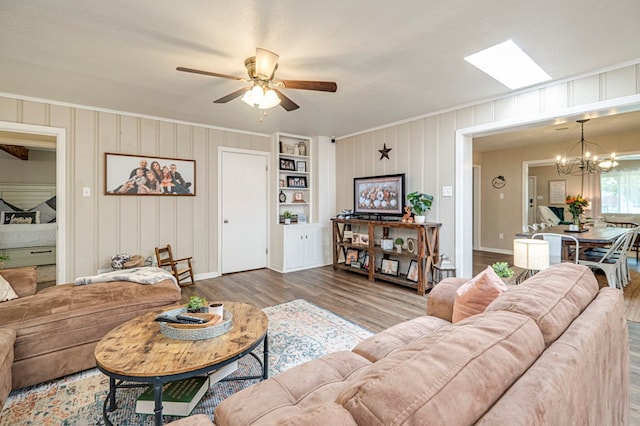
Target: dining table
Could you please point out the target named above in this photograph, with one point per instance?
(589, 236)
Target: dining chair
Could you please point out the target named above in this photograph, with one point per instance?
(556, 242)
(165, 259)
(612, 262)
(635, 244)
(630, 244)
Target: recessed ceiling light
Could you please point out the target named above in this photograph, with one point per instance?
(508, 64)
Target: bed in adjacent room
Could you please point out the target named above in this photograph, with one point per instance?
(28, 224)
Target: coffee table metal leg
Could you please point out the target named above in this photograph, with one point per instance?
(112, 394)
(157, 397)
(265, 359)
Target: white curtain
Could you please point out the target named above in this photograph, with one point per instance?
(591, 188)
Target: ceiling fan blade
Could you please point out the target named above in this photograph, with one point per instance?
(322, 86)
(231, 96)
(209, 73)
(266, 63)
(285, 102)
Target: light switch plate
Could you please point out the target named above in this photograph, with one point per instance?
(447, 191)
(86, 191)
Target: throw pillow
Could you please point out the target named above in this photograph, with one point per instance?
(11, 218)
(6, 291)
(475, 295)
(5, 206)
(47, 210)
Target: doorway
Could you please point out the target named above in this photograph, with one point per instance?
(60, 146)
(243, 201)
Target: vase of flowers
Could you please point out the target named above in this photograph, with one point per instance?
(576, 204)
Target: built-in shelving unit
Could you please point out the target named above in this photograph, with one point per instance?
(295, 177)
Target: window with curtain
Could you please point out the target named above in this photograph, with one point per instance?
(620, 190)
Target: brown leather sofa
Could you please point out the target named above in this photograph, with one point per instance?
(553, 350)
(53, 332)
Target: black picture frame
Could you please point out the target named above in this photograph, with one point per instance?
(287, 164)
(296, 181)
(412, 271)
(121, 178)
(389, 267)
(351, 256)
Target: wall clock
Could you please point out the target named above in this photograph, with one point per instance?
(498, 182)
(282, 197)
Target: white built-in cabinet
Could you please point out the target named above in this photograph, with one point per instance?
(303, 246)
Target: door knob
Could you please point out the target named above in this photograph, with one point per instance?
(226, 221)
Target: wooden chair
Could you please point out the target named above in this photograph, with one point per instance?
(164, 255)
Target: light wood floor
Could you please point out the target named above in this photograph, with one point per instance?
(374, 306)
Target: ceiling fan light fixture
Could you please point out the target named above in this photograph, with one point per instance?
(261, 97)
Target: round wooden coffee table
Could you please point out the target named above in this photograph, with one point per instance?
(138, 352)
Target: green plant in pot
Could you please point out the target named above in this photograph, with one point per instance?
(399, 242)
(197, 304)
(287, 215)
(502, 270)
(420, 203)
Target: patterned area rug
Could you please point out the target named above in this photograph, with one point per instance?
(298, 332)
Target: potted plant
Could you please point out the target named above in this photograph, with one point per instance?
(420, 203)
(287, 215)
(197, 304)
(502, 270)
(399, 242)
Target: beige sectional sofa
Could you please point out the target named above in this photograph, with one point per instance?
(53, 332)
(553, 350)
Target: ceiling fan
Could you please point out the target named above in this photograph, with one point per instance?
(263, 92)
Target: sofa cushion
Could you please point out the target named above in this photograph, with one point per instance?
(449, 377)
(290, 393)
(382, 344)
(7, 338)
(553, 298)
(24, 281)
(475, 295)
(6, 291)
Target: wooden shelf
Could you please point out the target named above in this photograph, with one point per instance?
(426, 252)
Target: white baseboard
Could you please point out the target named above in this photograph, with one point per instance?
(495, 250)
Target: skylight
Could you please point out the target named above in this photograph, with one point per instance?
(508, 64)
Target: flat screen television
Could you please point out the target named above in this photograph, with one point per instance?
(379, 195)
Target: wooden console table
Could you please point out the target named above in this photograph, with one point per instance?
(426, 252)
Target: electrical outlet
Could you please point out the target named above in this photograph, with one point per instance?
(86, 191)
(501, 235)
(501, 196)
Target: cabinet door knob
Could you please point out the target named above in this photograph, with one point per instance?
(226, 221)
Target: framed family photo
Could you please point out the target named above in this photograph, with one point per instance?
(147, 175)
(389, 267)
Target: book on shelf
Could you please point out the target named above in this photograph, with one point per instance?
(178, 398)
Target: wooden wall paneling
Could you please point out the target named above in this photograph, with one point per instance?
(129, 206)
(415, 165)
(34, 113)
(9, 109)
(504, 109)
(483, 113)
(202, 222)
(86, 231)
(186, 219)
(585, 90)
(555, 97)
(620, 82)
(527, 103)
(108, 212)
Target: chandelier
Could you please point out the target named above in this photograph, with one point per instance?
(579, 158)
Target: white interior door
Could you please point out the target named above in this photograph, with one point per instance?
(532, 201)
(244, 214)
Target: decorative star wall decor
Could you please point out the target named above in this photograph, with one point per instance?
(384, 152)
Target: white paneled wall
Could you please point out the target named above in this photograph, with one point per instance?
(100, 225)
(425, 149)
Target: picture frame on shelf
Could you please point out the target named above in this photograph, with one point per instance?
(297, 181)
(348, 235)
(287, 164)
(298, 197)
(364, 239)
(282, 185)
(302, 218)
(365, 262)
(356, 265)
(389, 267)
(412, 272)
(355, 239)
(301, 166)
(352, 256)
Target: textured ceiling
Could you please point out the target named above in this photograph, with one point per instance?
(391, 60)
